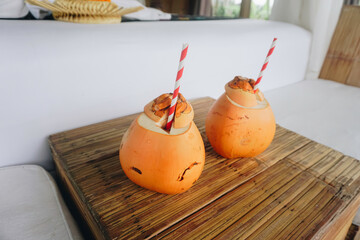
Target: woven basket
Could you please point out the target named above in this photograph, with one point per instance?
(82, 11)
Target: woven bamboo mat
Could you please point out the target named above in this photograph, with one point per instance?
(296, 189)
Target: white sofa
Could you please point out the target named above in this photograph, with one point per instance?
(60, 76)
(325, 111)
(57, 76)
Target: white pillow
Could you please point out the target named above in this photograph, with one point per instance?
(13, 9)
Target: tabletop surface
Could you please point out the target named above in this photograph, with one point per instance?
(297, 188)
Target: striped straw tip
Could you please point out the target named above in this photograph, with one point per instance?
(271, 50)
(177, 86)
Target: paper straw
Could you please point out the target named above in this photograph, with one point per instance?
(273, 45)
(177, 86)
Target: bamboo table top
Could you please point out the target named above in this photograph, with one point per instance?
(296, 189)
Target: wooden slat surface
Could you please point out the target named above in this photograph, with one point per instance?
(297, 188)
(342, 62)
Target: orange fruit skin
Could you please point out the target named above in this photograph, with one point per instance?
(234, 131)
(168, 164)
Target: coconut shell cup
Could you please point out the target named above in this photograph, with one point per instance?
(162, 161)
(240, 123)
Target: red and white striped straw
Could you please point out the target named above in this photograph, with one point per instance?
(177, 86)
(273, 45)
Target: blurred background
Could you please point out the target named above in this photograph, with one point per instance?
(257, 9)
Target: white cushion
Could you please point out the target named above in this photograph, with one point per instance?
(13, 9)
(31, 206)
(322, 110)
(59, 76)
(357, 218)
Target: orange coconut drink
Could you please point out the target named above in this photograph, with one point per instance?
(163, 150)
(160, 160)
(241, 122)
